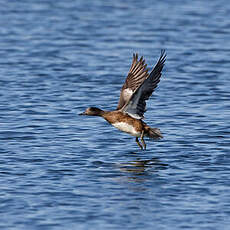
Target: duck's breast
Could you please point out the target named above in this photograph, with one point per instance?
(128, 128)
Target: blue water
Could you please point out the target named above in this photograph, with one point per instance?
(59, 170)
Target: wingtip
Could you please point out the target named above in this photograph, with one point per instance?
(135, 56)
(163, 56)
(163, 52)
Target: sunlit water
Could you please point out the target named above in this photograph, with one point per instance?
(64, 171)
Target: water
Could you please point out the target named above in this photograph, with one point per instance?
(62, 171)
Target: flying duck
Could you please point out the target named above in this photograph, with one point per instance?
(129, 114)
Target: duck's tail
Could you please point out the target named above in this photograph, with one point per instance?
(154, 133)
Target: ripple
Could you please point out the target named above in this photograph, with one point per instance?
(66, 171)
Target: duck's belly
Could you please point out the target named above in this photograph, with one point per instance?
(127, 128)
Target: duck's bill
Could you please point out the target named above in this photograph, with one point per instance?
(82, 113)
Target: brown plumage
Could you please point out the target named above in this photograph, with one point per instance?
(141, 88)
(136, 75)
(138, 87)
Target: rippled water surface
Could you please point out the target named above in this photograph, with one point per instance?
(64, 171)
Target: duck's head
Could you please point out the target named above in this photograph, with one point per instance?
(92, 111)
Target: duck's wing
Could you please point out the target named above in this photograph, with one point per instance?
(136, 106)
(136, 75)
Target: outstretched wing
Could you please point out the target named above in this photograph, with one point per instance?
(137, 74)
(136, 106)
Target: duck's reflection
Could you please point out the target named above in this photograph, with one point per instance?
(138, 170)
(139, 166)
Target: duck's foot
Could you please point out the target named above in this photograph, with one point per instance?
(139, 144)
(142, 140)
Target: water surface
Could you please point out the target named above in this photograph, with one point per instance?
(64, 171)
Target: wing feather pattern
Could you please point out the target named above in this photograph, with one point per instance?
(143, 87)
(138, 72)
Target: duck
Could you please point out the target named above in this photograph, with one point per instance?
(136, 90)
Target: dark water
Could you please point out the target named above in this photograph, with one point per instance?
(62, 171)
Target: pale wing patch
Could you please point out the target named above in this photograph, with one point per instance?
(127, 128)
(131, 107)
(127, 93)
